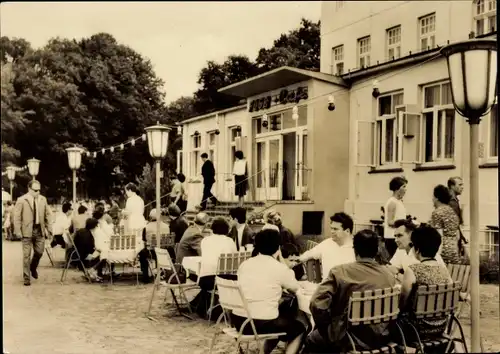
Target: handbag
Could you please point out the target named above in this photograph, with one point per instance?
(169, 276)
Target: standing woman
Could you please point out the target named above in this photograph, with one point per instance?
(240, 173)
(178, 193)
(445, 220)
(394, 209)
(134, 213)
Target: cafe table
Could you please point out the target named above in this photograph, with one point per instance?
(305, 294)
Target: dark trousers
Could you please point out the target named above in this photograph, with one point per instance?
(207, 194)
(316, 343)
(58, 240)
(202, 301)
(37, 243)
(144, 256)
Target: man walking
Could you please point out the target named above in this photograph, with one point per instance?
(32, 216)
(208, 173)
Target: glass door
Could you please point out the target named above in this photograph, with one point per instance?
(269, 178)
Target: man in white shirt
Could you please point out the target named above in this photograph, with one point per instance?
(60, 228)
(336, 250)
(262, 279)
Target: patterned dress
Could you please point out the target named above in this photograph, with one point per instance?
(425, 274)
(445, 218)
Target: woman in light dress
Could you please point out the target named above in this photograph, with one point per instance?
(178, 193)
(394, 209)
(134, 214)
(240, 173)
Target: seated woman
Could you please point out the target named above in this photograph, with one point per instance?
(211, 248)
(262, 279)
(428, 271)
(89, 243)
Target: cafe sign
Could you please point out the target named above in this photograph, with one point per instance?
(285, 96)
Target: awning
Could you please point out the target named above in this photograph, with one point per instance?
(276, 79)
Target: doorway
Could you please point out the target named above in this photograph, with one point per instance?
(269, 167)
(289, 166)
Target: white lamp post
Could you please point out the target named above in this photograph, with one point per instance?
(11, 175)
(472, 66)
(33, 167)
(157, 136)
(74, 161)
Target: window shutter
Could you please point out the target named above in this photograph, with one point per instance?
(365, 143)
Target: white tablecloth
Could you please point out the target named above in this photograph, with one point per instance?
(192, 264)
(304, 295)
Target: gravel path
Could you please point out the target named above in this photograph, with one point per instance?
(82, 318)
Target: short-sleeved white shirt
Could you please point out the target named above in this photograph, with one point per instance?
(262, 279)
(211, 248)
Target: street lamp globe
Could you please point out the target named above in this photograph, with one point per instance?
(472, 67)
(157, 140)
(33, 166)
(74, 157)
(11, 173)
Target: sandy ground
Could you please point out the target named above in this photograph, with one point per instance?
(81, 318)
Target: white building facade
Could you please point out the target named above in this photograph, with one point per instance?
(327, 161)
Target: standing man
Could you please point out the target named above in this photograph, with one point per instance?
(208, 173)
(456, 187)
(32, 216)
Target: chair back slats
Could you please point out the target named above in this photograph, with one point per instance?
(313, 270)
(166, 240)
(119, 229)
(310, 244)
(122, 242)
(163, 259)
(436, 300)
(374, 306)
(230, 262)
(460, 273)
(230, 295)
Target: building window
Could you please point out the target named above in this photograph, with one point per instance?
(387, 127)
(212, 146)
(493, 133)
(179, 161)
(394, 43)
(281, 121)
(195, 155)
(438, 123)
(485, 17)
(427, 32)
(338, 60)
(234, 136)
(364, 48)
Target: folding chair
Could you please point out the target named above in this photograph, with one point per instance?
(122, 250)
(165, 262)
(48, 250)
(374, 307)
(313, 271)
(74, 256)
(435, 302)
(231, 298)
(310, 244)
(166, 241)
(228, 264)
(461, 273)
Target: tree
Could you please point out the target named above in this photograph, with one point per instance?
(215, 76)
(94, 92)
(300, 48)
(13, 49)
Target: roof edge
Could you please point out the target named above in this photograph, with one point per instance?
(208, 115)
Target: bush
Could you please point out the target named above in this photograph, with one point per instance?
(489, 270)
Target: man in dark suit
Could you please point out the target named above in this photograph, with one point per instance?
(456, 187)
(208, 173)
(241, 233)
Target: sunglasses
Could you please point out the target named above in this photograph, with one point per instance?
(36, 190)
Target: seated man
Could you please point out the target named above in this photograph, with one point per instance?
(60, 228)
(148, 251)
(262, 280)
(189, 245)
(89, 248)
(336, 250)
(240, 232)
(330, 302)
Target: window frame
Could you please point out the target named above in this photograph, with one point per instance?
(179, 162)
(211, 148)
(488, 131)
(437, 110)
(381, 138)
(487, 15)
(364, 55)
(428, 35)
(232, 143)
(340, 60)
(396, 46)
(194, 168)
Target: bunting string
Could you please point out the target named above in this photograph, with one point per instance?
(131, 142)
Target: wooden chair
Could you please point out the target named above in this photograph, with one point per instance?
(172, 283)
(313, 271)
(310, 244)
(374, 307)
(228, 264)
(435, 302)
(231, 298)
(461, 273)
(122, 250)
(74, 256)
